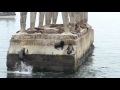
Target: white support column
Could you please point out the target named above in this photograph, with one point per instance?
(32, 20)
(48, 18)
(23, 17)
(77, 18)
(72, 20)
(66, 22)
(86, 17)
(86, 20)
(54, 17)
(41, 19)
(82, 18)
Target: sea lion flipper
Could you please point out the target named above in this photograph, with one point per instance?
(72, 48)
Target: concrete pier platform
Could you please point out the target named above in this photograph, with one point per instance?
(42, 54)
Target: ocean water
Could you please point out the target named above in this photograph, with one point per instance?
(105, 59)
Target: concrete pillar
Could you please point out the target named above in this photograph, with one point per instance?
(48, 18)
(72, 20)
(86, 17)
(77, 18)
(23, 17)
(54, 17)
(82, 17)
(66, 21)
(32, 20)
(41, 19)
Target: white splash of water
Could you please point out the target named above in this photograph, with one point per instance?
(22, 68)
(25, 68)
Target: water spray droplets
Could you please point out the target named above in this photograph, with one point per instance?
(23, 68)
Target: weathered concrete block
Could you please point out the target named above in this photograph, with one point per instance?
(42, 54)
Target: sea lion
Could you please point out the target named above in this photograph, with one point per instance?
(59, 45)
(21, 54)
(70, 48)
(17, 31)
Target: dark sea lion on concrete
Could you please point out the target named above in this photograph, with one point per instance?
(70, 48)
(21, 54)
(53, 25)
(59, 45)
(83, 26)
(56, 25)
(77, 29)
(17, 31)
(35, 30)
(61, 30)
